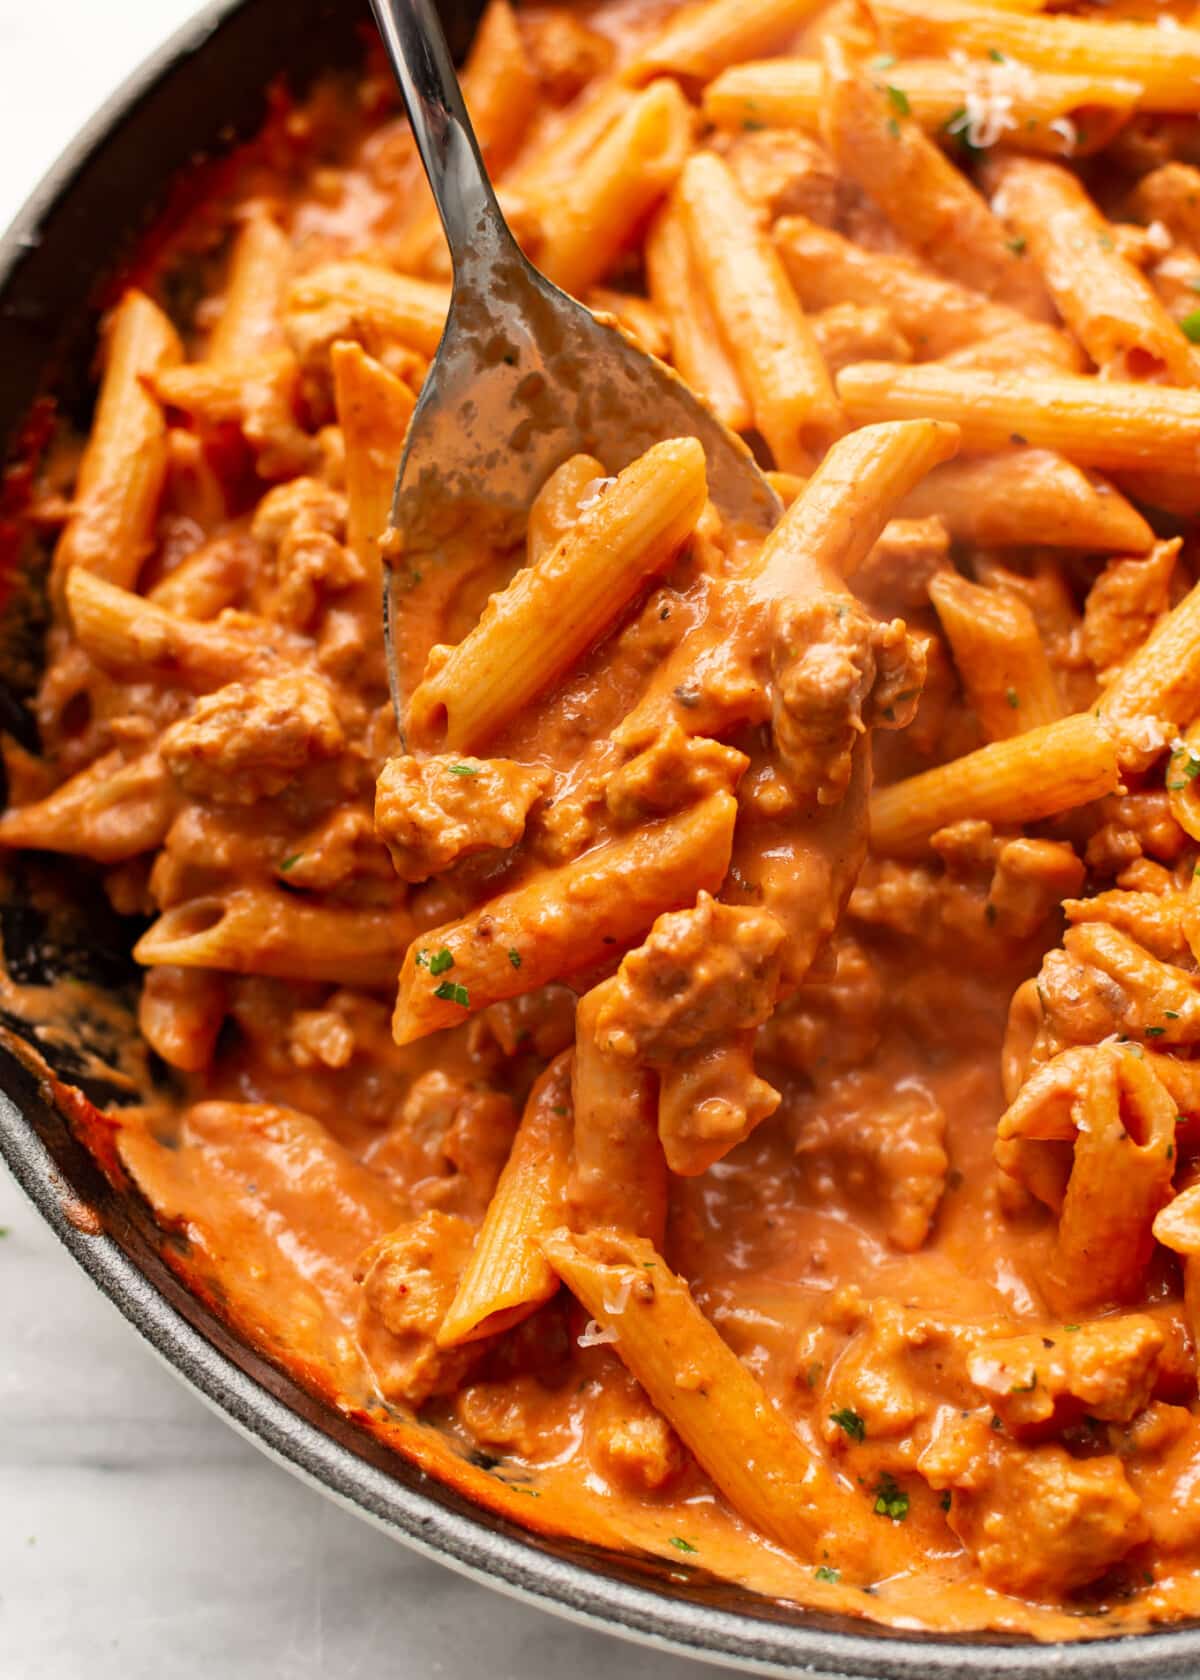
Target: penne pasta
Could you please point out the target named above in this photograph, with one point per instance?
(699, 352)
(720, 1411)
(121, 474)
(791, 399)
(534, 631)
(266, 930)
(618, 1170)
(134, 637)
(702, 38)
(1164, 63)
(937, 315)
(1000, 658)
(1108, 303)
(1108, 424)
(115, 809)
(1029, 496)
(632, 168)
(556, 507)
(364, 303)
(1023, 779)
(983, 101)
(180, 1013)
(250, 322)
(562, 920)
(373, 410)
(876, 143)
(508, 1277)
(1157, 691)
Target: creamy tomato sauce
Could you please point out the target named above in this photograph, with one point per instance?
(1009, 1461)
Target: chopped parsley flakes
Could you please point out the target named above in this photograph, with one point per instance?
(450, 992)
(682, 1545)
(514, 958)
(441, 961)
(849, 1420)
(463, 769)
(824, 1573)
(1190, 326)
(891, 1501)
(898, 100)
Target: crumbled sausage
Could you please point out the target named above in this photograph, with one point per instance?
(409, 1278)
(249, 740)
(431, 812)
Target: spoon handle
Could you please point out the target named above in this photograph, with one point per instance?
(475, 227)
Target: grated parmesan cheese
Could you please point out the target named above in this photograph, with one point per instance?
(595, 1335)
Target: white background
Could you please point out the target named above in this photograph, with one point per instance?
(140, 1539)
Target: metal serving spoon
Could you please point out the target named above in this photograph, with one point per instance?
(524, 376)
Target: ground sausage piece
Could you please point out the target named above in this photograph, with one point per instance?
(836, 673)
(408, 1280)
(249, 740)
(1037, 1521)
(1106, 1369)
(699, 975)
(432, 811)
(671, 772)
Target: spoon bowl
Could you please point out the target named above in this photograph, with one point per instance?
(524, 376)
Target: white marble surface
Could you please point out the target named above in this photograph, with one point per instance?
(139, 1536)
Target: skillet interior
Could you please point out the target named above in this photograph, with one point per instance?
(203, 90)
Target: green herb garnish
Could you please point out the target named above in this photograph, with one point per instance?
(849, 1420)
(824, 1573)
(463, 769)
(890, 1501)
(514, 958)
(450, 992)
(682, 1545)
(290, 862)
(1190, 326)
(898, 100)
(440, 961)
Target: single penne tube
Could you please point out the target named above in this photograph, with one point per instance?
(1164, 63)
(778, 361)
(700, 39)
(1028, 497)
(266, 930)
(115, 809)
(1031, 776)
(131, 636)
(584, 231)
(562, 920)
(1121, 1175)
(1177, 1227)
(1159, 684)
(925, 198)
(216, 392)
(999, 655)
(124, 465)
(500, 85)
(937, 315)
(1105, 423)
(555, 155)
(367, 303)
(699, 353)
(715, 1404)
(508, 1277)
(1107, 302)
(556, 510)
(180, 1014)
(983, 100)
(250, 322)
(618, 1169)
(373, 410)
(532, 632)
(213, 577)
